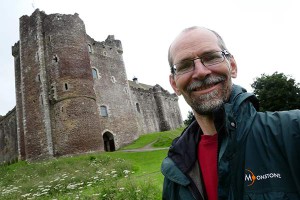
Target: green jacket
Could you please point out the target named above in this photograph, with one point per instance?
(258, 154)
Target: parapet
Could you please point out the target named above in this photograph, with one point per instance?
(15, 49)
(110, 41)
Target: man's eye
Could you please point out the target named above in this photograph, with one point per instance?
(184, 65)
(212, 58)
(209, 58)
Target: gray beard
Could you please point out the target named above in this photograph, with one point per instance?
(208, 103)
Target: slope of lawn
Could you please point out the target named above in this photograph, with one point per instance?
(103, 175)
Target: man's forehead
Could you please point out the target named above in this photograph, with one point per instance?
(193, 37)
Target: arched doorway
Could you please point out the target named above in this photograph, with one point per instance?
(109, 143)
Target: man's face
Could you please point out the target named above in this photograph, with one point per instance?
(205, 90)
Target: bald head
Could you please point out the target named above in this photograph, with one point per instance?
(186, 34)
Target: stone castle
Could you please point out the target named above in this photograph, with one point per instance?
(73, 95)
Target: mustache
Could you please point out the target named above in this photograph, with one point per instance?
(208, 81)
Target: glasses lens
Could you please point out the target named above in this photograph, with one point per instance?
(184, 66)
(212, 58)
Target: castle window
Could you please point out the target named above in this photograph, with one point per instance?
(66, 87)
(95, 73)
(103, 111)
(126, 90)
(38, 78)
(90, 48)
(113, 79)
(55, 58)
(138, 107)
(37, 56)
(41, 99)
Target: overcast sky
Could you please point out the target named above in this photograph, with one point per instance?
(263, 35)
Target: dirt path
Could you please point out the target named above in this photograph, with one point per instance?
(148, 147)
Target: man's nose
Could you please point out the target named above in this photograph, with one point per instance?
(200, 71)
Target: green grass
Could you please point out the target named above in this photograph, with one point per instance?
(159, 139)
(107, 175)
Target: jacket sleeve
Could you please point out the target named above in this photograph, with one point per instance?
(284, 128)
(168, 190)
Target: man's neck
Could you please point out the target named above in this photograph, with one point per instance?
(206, 124)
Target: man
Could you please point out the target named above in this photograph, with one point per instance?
(230, 151)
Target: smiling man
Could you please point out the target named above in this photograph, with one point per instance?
(213, 157)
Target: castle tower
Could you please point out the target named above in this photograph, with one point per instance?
(159, 96)
(56, 104)
(118, 117)
(19, 102)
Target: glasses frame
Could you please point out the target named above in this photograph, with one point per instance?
(224, 52)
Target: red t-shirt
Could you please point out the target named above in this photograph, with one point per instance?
(207, 157)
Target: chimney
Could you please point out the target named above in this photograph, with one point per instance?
(135, 79)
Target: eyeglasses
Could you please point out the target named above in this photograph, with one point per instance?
(208, 60)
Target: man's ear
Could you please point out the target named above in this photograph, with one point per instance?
(233, 66)
(173, 84)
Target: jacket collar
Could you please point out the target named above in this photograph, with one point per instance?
(184, 148)
(239, 95)
(171, 171)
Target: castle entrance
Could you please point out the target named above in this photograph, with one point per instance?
(109, 143)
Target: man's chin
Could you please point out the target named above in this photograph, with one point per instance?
(207, 108)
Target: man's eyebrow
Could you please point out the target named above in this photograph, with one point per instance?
(198, 56)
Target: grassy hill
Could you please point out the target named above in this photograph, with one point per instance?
(105, 175)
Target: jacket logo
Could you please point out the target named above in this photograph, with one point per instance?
(251, 178)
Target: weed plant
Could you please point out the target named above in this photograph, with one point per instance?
(80, 177)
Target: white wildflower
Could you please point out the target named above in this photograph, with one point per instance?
(26, 195)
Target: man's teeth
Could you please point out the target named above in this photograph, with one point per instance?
(204, 87)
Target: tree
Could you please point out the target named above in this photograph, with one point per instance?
(277, 92)
(189, 119)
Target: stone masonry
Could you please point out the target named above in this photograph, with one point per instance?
(73, 95)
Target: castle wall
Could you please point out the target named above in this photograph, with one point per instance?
(8, 138)
(34, 104)
(146, 110)
(112, 90)
(168, 109)
(56, 102)
(172, 111)
(74, 114)
(19, 103)
(160, 97)
(157, 109)
(73, 95)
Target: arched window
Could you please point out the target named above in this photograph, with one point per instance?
(103, 111)
(95, 73)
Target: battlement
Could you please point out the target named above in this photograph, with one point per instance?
(108, 48)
